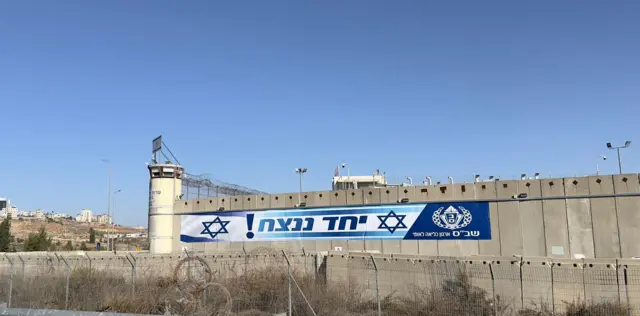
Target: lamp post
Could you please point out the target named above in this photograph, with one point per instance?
(300, 171)
(108, 200)
(626, 145)
(110, 218)
(345, 165)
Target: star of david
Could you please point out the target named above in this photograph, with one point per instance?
(383, 221)
(221, 230)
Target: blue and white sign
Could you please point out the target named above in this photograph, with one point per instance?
(459, 221)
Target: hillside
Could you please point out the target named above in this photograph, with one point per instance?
(63, 230)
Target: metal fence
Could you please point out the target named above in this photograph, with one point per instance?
(271, 282)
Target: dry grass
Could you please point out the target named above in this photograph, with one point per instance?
(264, 291)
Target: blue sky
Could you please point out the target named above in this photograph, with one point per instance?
(249, 90)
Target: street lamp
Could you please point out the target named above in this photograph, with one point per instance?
(345, 165)
(108, 196)
(110, 223)
(300, 171)
(626, 144)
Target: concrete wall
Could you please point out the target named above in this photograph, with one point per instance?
(598, 217)
(519, 282)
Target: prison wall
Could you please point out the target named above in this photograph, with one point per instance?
(594, 217)
(519, 282)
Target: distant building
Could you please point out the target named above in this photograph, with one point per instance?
(103, 219)
(40, 214)
(358, 182)
(4, 204)
(86, 216)
(12, 211)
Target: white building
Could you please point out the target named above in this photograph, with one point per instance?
(40, 214)
(103, 219)
(85, 216)
(12, 211)
(358, 182)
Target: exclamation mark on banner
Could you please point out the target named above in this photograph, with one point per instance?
(250, 226)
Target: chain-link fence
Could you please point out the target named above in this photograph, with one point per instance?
(271, 282)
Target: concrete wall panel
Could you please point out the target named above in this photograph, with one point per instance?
(224, 202)
(199, 205)
(629, 225)
(338, 198)
(388, 195)
(628, 214)
(604, 218)
(568, 283)
(487, 191)
(576, 186)
(408, 193)
(292, 199)
(509, 219)
(533, 188)
(263, 202)
(532, 225)
(580, 228)
(579, 217)
(356, 245)
(555, 228)
(187, 206)
(355, 197)
(371, 196)
(249, 202)
(601, 185)
(626, 183)
(464, 191)
(278, 201)
(319, 198)
(532, 220)
(236, 203)
(555, 219)
(424, 193)
(553, 187)
(536, 280)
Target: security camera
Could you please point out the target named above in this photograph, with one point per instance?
(604, 157)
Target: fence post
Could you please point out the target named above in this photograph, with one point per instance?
(10, 281)
(21, 260)
(626, 289)
(246, 259)
(291, 279)
(493, 288)
(87, 255)
(375, 266)
(520, 264)
(553, 294)
(584, 284)
(66, 299)
(133, 274)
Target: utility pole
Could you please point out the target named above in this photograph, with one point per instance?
(300, 171)
(108, 202)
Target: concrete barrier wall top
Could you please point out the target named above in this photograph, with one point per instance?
(560, 217)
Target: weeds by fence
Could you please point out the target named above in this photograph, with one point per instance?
(269, 282)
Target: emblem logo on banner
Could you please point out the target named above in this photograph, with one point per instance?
(452, 218)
